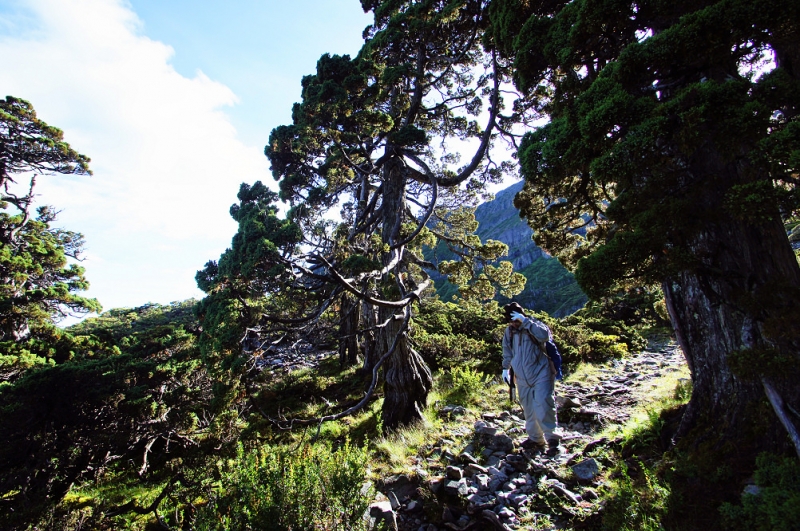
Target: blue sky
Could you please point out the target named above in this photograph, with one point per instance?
(173, 100)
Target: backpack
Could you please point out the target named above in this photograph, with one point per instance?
(555, 358)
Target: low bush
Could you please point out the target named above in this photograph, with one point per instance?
(275, 488)
(635, 504)
(465, 385)
(777, 503)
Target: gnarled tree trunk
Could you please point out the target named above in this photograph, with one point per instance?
(407, 379)
(740, 302)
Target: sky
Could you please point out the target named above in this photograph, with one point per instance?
(173, 100)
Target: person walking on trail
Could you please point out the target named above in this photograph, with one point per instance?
(527, 363)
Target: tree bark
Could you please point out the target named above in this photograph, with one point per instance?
(743, 286)
(369, 320)
(348, 332)
(407, 379)
(407, 382)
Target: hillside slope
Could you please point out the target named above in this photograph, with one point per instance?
(549, 287)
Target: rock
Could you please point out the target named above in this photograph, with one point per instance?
(589, 494)
(496, 473)
(435, 484)
(452, 411)
(448, 515)
(517, 461)
(475, 468)
(393, 500)
(564, 492)
(505, 512)
(482, 481)
(382, 511)
(413, 506)
(489, 431)
(492, 460)
(567, 401)
(493, 520)
(502, 442)
(454, 472)
(401, 485)
(451, 487)
(586, 470)
(467, 458)
(517, 499)
(594, 444)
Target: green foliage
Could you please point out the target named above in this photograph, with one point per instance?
(581, 337)
(636, 306)
(777, 504)
(759, 362)
(475, 270)
(465, 385)
(447, 333)
(78, 420)
(38, 284)
(637, 504)
(550, 288)
(238, 286)
(31, 146)
(629, 170)
(314, 487)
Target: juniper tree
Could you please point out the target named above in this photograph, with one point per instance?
(37, 282)
(378, 136)
(674, 140)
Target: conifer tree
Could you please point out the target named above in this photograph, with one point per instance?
(674, 141)
(37, 283)
(378, 136)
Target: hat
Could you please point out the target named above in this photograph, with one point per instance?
(510, 308)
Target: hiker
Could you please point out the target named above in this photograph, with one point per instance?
(533, 375)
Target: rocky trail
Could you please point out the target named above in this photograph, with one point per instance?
(481, 478)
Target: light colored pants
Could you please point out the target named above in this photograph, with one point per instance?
(538, 404)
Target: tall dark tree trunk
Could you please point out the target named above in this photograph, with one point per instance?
(407, 383)
(407, 379)
(348, 331)
(369, 320)
(735, 315)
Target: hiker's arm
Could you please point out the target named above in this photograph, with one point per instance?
(537, 329)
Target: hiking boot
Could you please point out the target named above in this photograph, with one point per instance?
(553, 448)
(528, 444)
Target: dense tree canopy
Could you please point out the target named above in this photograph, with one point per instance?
(37, 282)
(674, 141)
(370, 167)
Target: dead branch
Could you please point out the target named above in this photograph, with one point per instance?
(777, 405)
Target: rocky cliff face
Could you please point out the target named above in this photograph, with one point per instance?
(499, 220)
(549, 287)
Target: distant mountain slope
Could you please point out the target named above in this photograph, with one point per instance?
(550, 287)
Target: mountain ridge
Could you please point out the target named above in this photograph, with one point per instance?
(550, 287)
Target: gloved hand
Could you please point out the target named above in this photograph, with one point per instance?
(506, 377)
(516, 316)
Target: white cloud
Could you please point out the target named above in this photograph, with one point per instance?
(166, 159)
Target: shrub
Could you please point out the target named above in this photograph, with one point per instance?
(635, 504)
(599, 346)
(776, 506)
(450, 349)
(274, 488)
(466, 384)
